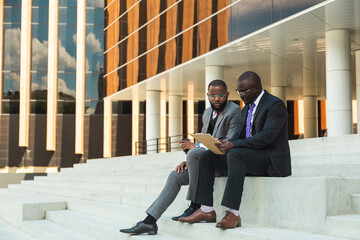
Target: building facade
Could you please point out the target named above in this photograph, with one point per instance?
(161, 54)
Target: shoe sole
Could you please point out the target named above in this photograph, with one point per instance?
(202, 221)
(223, 228)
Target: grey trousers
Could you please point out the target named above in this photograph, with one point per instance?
(174, 183)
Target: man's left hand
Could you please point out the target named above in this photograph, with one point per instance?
(225, 146)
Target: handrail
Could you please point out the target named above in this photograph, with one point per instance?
(158, 145)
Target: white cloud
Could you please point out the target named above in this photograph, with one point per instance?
(65, 59)
(12, 50)
(63, 88)
(93, 43)
(14, 78)
(98, 66)
(95, 3)
(40, 52)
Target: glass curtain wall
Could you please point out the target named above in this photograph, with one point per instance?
(144, 38)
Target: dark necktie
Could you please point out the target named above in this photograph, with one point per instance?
(248, 120)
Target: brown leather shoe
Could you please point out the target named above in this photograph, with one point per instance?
(229, 221)
(199, 216)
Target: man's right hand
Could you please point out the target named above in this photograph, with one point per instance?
(181, 167)
(186, 145)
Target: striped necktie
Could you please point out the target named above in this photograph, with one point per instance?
(248, 120)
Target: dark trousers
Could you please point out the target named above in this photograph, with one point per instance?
(238, 162)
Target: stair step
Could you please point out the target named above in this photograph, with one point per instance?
(96, 227)
(355, 203)
(106, 229)
(8, 232)
(46, 230)
(344, 226)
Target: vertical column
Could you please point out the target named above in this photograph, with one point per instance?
(175, 120)
(190, 109)
(1, 51)
(25, 77)
(310, 89)
(338, 82)
(278, 81)
(212, 73)
(135, 125)
(107, 128)
(80, 76)
(357, 66)
(52, 76)
(152, 119)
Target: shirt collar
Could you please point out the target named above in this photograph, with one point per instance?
(257, 100)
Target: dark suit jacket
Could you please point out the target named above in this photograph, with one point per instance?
(269, 133)
(228, 123)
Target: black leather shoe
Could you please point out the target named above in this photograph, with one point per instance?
(140, 228)
(186, 213)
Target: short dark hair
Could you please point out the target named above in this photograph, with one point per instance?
(249, 75)
(218, 82)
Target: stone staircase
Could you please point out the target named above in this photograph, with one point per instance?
(321, 200)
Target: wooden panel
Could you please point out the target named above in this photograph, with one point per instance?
(133, 44)
(205, 8)
(1, 51)
(107, 128)
(188, 21)
(170, 46)
(25, 77)
(223, 22)
(323, 115)
(80, 76)
(52, 76)
(112, 57)
(153, 31)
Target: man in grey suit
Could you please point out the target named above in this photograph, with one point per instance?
(221, 120)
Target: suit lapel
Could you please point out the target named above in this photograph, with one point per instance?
(207, 120)
(258, 108)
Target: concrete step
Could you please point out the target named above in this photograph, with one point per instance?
(114, 171)
(149, 179)
(16, 208)
(106, 229)
(336, 170)
(129, 199)
(309, 158)
(151, 189)
(98, 228)
(8, 232)
(46, 230)
(355, 203)
(344, 226)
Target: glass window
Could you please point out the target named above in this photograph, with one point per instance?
(67, 3)
(67, 86)
(95, 3)
(40, 15)
(249, 16)
(41, 3)
(67, 14)
(13, 3)
(11, 83)
(38, 86)
(12, 47)
(12, 14)
(67, 48)
(286, 8)
(39, 47)
(95, 16)
(94, 48)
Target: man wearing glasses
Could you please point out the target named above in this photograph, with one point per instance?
(261, 149)
(221, 120)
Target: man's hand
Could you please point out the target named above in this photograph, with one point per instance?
(186, 145)
(181, 167)
(225, 146)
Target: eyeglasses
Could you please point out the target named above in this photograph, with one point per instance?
(218, 95)
(242, 93)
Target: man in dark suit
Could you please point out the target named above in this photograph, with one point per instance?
(261, 149)
(221, 120)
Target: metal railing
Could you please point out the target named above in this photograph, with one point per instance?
(158, 145)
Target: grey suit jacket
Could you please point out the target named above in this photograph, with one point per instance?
(228, 123)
